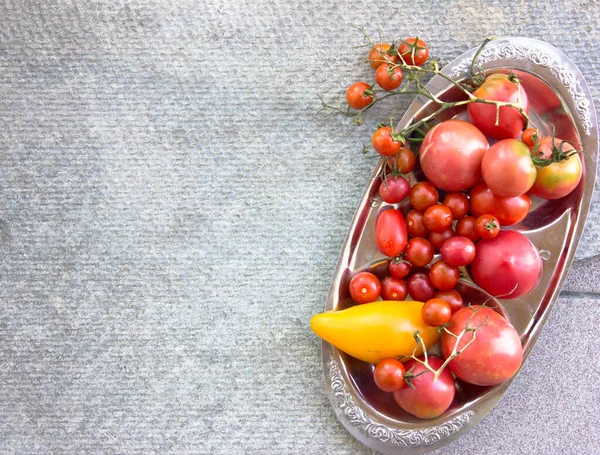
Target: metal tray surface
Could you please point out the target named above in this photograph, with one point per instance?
(559, 97)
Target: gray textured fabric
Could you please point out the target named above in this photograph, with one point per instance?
(171, 210)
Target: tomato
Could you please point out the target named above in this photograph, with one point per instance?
(364, 287)
(437, 218)
(458, 251)
(390, 233)
(451, 155)
(384, 143)
(452, 297)
(428, 398)
(508, 210)
(443, 275)
(507, 266)
(399, 268)
(379, 55)
(414, 51)
(388, 77)
(415, 225)
(466, 228)
(437, 239)
(393, 289)
(499, 87)
(508, 169)
(389, 375)
(419, 251)
(530, 136)
(557, 179)
(404, 161)
(496, 354)
(436, 312)
(359, 95)
(423, 195)
(394, 189)
(487, 226)
(420, 287)
(458, 203)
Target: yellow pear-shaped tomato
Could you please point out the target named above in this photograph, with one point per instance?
(375, 331)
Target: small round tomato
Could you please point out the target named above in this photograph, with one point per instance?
(437, 239)
(458, 203)
(389, 375)
(508, 210)
(359, 95)
(420, 287)
(394, 189)
(419, 251)
(508, 169)
(390, 232)
(365, 287)
(399, 268)
(414, 51)
(443, 275)
(437, 218)
(379, 55)
(452, 297)
(388, 77)
(404, 161)
(499, 87)
(487, 226)
(559, 178)
(458, 251)
(415, 225)
(393, 289)
(384, 143)
(530, 136)
(423, 195)
(436, 312)
(466, 228)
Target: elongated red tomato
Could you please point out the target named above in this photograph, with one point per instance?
(390, 233)
(508, 169)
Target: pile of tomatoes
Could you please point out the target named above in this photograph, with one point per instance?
(478, 177)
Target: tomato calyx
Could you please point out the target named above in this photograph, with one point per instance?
(491, 225)
(556, 156)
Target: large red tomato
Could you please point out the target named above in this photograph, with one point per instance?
(451, 155)
(390, 232)
(508, 169)
(507, 266)
(557, 179)
(508, 210)
(493, 357)
(499, 87)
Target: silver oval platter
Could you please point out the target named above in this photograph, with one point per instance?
(559, 99)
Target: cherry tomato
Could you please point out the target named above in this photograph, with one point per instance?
(423, 195)
(390, 232)
(466, 228)
(437, 218)
(443, 275)
(458, 251)
(365, 287)
(451, 155)
(487, 226)
(419, 251)
(458, 203)
(404, 161)
(557, 179)
(389, 375)
(415, 225)
(414, 54)
(530, 136)
(508, 169)
(499, 87)
(359, 95)
(420, 287)
(399, 268)
(436, 312)
(437, 239)
(379, 55)
(388, 77)
(394, 189)
(428, 398)
(452, 297)
(393, 289)
(508, 210)
(384, 143)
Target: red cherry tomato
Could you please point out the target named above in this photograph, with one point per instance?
(508, 210)
(452, 297)
(487, 226)
(508, 169)
(420, 287)
(458, 203)
(404, 161)
(399, 268)
(437, 239)
(437, 218)
(443, 275)
(388, 77)
(390, 233)
(389, 375)
(458, 251)
(384, 143)
(423, 195)
(359, 95)
(436, 312)
(415, 225)
(414, 51)
(393, 289)
(419, 251)
(394, 189)
(530, 136)
(365, 287)
(466, 228)
(379, 55)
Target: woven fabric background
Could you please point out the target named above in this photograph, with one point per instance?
(172, 205)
